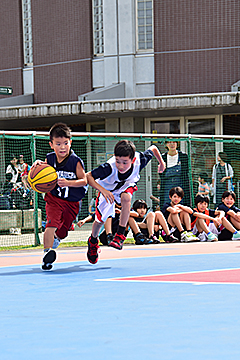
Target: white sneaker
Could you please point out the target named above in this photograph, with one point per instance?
(202, 237)
(188, 236)
(212, 237)
(236, 236)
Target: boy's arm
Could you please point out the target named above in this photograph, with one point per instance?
(158, 156)
(109, 197)
(154, 198)
(80, 181)
(173, 209)
(133, 214)
(185, 208)
(83, 221)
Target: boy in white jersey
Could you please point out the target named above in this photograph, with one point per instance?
(116, 182)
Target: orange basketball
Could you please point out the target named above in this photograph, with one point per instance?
(42, 178)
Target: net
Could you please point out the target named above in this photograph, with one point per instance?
(22, 211)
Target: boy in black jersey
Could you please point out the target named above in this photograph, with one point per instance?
(62, 203)
(116, 181)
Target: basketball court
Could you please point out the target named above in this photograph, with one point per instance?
(167, 301)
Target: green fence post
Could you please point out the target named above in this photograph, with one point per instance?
(190, 169)
(36, 234)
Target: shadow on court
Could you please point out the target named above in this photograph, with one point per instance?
(67, 270)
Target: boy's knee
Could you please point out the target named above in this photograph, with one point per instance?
(125, 197)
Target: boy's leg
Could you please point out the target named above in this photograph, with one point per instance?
(119, 237)
(235, 223)
(49, 254)
(92, 253)
(187, 236)
(160, 219)
(202, 227)
(140, 238)
(231, 228)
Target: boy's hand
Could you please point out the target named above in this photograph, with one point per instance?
(38, 162)
(81, 223)
(161, 167)
(217, 221)
(62, 182)
(109, 197)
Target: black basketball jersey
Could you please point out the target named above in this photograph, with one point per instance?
(67, 170)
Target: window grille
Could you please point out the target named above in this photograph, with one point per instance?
(27, 31)
(98, 38)
(144, 24)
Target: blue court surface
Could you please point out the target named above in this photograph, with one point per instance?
(108, 311)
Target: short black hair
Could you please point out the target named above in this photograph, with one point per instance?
(201, 198)
(176, 190)
(139, 204)
(228, 193)
(125, 148)
(60, 130)
(203, 175)
(223, 156)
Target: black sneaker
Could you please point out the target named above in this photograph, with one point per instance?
(154, 239)
(109, 238)
(140, 239)
(92, 253)
(171, 239)
(48, 259)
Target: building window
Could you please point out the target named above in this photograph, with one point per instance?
(27, 32)
(98, 39)
(144, 24)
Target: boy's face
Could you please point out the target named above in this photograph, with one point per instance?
(123, 163)
(202, 206)
(199, 179)
(228, 201)
(61, 147)
(142, 211)
(175, 199)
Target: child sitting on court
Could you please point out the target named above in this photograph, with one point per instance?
(232, 214)
(116, 181)
(178, 216)
(149, 223)
(203, 187)
(206, 230)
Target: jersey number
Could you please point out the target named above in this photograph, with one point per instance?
(63, 192)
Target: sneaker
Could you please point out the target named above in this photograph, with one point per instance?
(236, 236)
(109, 238)
(56, 243)
(48, 259)
(212, 237)
(202, 237)
(188, 236)
(154, 239)
(171, 239)
(92, 253)
(117, 241)
(140, 239)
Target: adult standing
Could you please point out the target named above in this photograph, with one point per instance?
(175, 174)
(221, 178)
(13, 171)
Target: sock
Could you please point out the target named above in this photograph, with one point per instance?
(121, 230)
(45, 250)
(93, 240)
(208, 233)
(181, 232)
(235, 232)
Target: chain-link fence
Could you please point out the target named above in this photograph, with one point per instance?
(190, 160)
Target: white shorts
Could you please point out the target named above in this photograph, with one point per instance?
(203, 235)
(105, 209)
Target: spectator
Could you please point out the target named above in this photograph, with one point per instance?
(203, 187)
(175, 174)
(12, 171)
(221, 178)
(92, 204)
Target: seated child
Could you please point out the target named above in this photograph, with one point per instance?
(178, 216)
(232, 214)
(149, 223)
(203, 187)
(202, 226)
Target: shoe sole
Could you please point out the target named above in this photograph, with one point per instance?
(91, 261)
(48, 260)
(115, 245)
